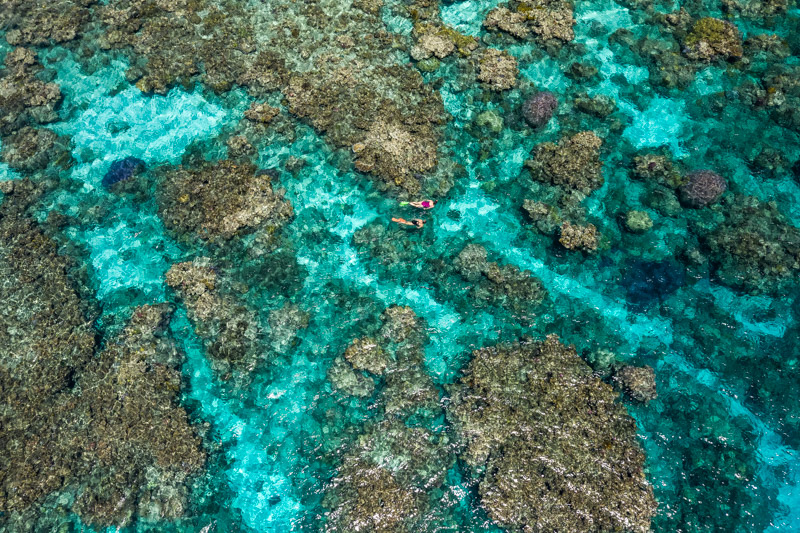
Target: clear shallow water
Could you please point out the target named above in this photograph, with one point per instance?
(721, 440)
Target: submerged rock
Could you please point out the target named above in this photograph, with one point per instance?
(538, 109)
(638, 382)
(218, 201)
(552, 448)
(573, 164)
(122, 170)
(712, 38)
(702, 188)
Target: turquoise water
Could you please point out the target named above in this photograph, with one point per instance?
(720, 441)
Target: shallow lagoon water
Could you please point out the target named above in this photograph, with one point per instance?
(721, 439)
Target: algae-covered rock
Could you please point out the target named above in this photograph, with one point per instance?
(756, 248)
(572, 164)
(638, 221)
(218, 201)
(712, 38)
(553, 448)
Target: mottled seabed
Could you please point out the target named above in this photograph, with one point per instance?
(210, 322)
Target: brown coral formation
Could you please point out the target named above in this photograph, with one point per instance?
(81, 422)
(25, 99)
(397, 138)
(230, 331)
(638, 382)
(499, 285)
(32, 149)
(39, 22)
(573, 164)
(388, 472)
(498, 70)
(219, 201)
(576, 237)
(557, 451)
(172, 42)
(548, 22)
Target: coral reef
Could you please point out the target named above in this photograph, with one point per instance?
(261, 113)
(498, 285)
(712, 38)
(638, 382)
(366, 354)
(600, 106)
(366, 497)
(573, 164)
(32, 149)
(396, 142)
(755, 249)
(657, 168)
(218, 201)
(638, 221)
(229, 330)
(575, 237)
(552, 447)
(39, 22)
(172, 43)
(24, 98)
(498, 70)
(539, 108)
(549, 22)
(702, 188)
(77, 421)
(284, 324)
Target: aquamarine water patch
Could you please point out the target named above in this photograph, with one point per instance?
(467, 17)
(6, 172)
(395, 23)
(152, 128)
(122, 259)
(254, 476)
(661, 124)
(109, 119)
(546, 74)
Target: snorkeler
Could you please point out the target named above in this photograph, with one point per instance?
(423, 204)
(417, 223)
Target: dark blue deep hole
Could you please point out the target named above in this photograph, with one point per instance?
(647, 282)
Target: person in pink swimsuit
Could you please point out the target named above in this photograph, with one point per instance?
(422, 204)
